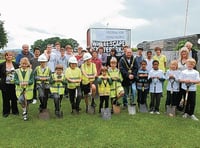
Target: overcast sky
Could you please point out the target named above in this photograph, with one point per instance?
(29, 20)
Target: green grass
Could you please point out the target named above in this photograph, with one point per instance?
(84, 130)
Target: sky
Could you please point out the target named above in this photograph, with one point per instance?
(26, 21)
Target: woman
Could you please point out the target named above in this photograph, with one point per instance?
(183, 56)
(113, 53)
(7, 70)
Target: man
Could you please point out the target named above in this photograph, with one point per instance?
(128, 67)
(192, 52)
(24, 53)
(139, 57)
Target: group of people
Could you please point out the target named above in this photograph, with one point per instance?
(90, 73)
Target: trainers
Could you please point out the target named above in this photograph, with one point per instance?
(157, 112)
(151, 112)
(185, 115)
(193, 117)
(34, 101)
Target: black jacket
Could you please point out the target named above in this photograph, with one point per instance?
(194, 56)
(3, 74)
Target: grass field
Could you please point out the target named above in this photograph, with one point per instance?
(84, 130)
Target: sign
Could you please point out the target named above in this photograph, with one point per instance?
(108, 38)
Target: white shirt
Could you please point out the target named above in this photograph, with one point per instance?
(156, 85)
(176, 74)
(149, 64)
(189, 75)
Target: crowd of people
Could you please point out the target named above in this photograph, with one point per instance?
(92, 74)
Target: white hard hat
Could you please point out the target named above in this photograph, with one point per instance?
(73, 60)
(87, 56)
(42, 58)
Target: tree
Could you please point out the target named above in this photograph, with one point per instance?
(182, 43)
(43, 43)
(3, 36)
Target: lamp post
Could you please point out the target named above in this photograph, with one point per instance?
(186, 16)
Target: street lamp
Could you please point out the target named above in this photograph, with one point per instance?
(186, 16)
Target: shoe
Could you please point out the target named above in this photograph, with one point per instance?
(25, 117)
(151, 112)
(125, 106)
(193, 117)
(157, 112)
(93, 104)
(185, 115)
(5, 115)
(34, 101)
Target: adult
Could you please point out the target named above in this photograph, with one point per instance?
(192, 52)
(57, 48)
(113, 53)
(7, 71)
(102, 55)
(80, 58)
(62, 60)
(24, 53)
(69, 53)
(149, 60)
(79, 55)
(162, 59)
(183, 56)
(128, 67)
(52, 58)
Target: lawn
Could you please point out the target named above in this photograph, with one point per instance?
(85, 130)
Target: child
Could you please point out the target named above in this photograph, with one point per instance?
(156, 78)
(24, 85)
(57, 88)
(142, 86)
(42, 75)
(73, 76)
(172, 75)
(116, 89)
(189, 78)
(104, 82)
(89, 72)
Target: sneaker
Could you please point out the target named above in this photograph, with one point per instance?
(34, 101)
(185, 115)
(157, 112)
(151, 112)
(25, 117)
(193, 117)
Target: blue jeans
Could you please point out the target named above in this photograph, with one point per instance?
(127, 93)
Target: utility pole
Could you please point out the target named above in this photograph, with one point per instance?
(186, 16)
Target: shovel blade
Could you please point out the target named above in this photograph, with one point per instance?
(143, 108)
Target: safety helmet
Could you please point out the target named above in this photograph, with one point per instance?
(42, 58)
(87, 56)
(73, 60)
(59, 66)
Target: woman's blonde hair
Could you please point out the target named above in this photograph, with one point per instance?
(183, 49)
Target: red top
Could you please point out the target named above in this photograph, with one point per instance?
(98, 64)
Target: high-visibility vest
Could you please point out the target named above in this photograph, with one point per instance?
(90, 71)
(104, 87)
(42, 74)
(28, 90)
(57, 87)
(116, 85)
(74, 74)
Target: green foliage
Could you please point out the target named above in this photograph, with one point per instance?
(134, 49)
(180, 45)
(43, 43)
(3, 35)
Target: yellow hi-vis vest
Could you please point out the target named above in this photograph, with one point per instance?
(28, 88)
(104, 87)
(57, 87)
(41, 74)
(116, 86)
(90, 71)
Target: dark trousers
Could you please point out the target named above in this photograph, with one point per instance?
(9, 99)
(35, 91)
(43, 97)
(102, 99)
(75, 100)
(155, 101)
(191, 102)
(142, 96)
(172, 99)
(57, 101)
